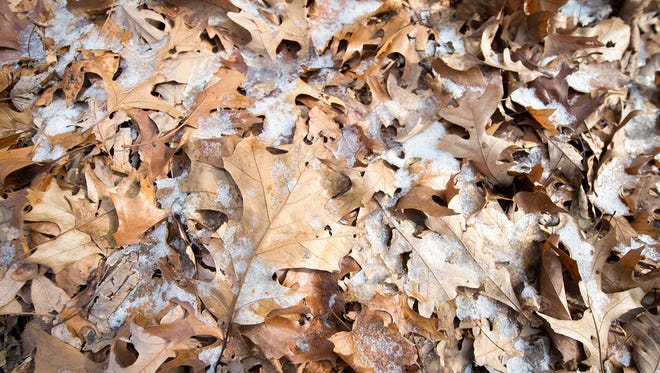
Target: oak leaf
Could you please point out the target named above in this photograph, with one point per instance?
(221, 95)
(53, 355)
(146, 23)
(283, 225)
(152, 351)
(52, 214)
(473, 242)
(473, 114)
(270, 27)
(437, 267)
(593, 328)
(136, 214)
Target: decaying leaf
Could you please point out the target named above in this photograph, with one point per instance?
(329, 185)
(374, 345)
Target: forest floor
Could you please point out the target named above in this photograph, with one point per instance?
(329, 185)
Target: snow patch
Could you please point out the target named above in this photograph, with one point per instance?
(335, 16)
(527, 98)
(586, 11)
(469, 308)
(215, 126)
(610, 180)
(450, 41)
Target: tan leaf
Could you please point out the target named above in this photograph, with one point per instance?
(9, 287)
(14, 160)
(136, 214)
(377, 177)
(67, 248)
(221, 95)
(152, 352)
(473, 243)
(283, 225)
(484, 150)
(438, 266)
(50, 206)
(642, 330)
(53, 355)
(593, 328)
(143, 22)
(492, 347)
(374, 344)
(47, 298)
(269, 27)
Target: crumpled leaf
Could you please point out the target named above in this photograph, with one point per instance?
(593, 328)
(374, 344)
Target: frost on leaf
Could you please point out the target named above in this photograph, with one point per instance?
(283, 225)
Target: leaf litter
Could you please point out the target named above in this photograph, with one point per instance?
(329, 186)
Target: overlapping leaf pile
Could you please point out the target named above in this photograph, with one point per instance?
(329, 185)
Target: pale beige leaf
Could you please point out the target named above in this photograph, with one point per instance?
(152, 352)
(47, 297)
(67, 248)
(50, 206)
(284, 225)
(143, 22)
(9, 287)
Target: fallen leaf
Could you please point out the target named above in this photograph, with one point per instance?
(282, 225)
(136, 214)
(374, 344)
(152, 352)
(53, 355)
(484, 150)
(146, 23)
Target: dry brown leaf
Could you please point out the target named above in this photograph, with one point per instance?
(64, 250)
(149, 25)
(9, 286)
(283, 225)
(473, 114)
(593, 328)
(472, 243)
(643, 330)
(136, 214)
(374, 344)
(270, 27)
(12, 161)
(152, 352)
(53, 355)
(437, 267)
(10, 27)
(48, 299)
(221, 95)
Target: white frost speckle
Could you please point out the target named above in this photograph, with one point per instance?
(336, 15)
(611, 178)
(586, 11)
(211, 356)
(527, 98)
(475, 309)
